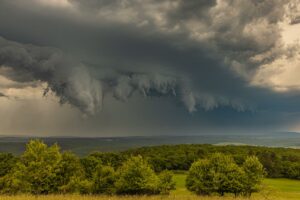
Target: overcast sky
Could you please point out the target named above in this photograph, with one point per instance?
(149, 67)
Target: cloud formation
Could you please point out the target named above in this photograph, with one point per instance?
(205, 55)
(66, 78)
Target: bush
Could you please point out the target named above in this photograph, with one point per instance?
(200, 178)
(136, 177)
(77, 185)
(220, 174)
(226, 174)
(104, 180)
(89, 164)
(7, 162)
(254, 173)
(44, 170)
(36, 170)
(166, 183)
(14, 184)
(71, 176)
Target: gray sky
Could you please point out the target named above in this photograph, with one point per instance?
(131, 67)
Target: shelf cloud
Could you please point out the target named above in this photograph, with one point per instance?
(204, 56)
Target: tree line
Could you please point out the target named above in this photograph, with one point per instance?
(278, 162)
(45, 170)
(212, 169)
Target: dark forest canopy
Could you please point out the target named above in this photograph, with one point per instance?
(278, 162)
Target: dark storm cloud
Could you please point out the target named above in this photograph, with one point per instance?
(201, 53)
(245, 32)
(68, 79)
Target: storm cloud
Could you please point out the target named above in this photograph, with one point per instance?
(206, 56)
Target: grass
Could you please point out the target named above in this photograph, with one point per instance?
(180, 185)
(283, 188)
(273, 189)
(284, 185)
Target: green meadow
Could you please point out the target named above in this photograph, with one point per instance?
(273, 188)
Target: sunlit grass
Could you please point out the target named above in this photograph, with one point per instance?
(284, 185)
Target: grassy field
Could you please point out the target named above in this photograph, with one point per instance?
(273, 189)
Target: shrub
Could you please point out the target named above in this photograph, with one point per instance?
(220, 174)
(226, 174)
(14, 183)
(89, 164)
(36, 170)
(166, 183)
(44, 170)
(136, 177)
(7, 162)
(199, 179)
(77, 185)
(69, 169)
(103, 180)
(254, 173)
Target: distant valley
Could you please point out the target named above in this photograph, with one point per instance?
(84, 145)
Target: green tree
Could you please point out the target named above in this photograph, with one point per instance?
(114, 160)
(226, 174)
(78, 185)
(43, 170)
(89, 164)
(36, 170)
(104, 180)
(7, 162)
(136, 177)
(254, 173)
(69, 168)
(200, 178)
(39, 165)
(166, 182)
(218, 174)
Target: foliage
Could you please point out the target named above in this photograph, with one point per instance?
(36, 170)
(7, 162)
(89, 164)
(220, 174)
(166, 182)
(70, 173)
(278, 162)
(254, 173)
(199, 179)
(114, 160)
(78, 185)
(104, 180)
(43, 170)
(282, 189)
(136, 177)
